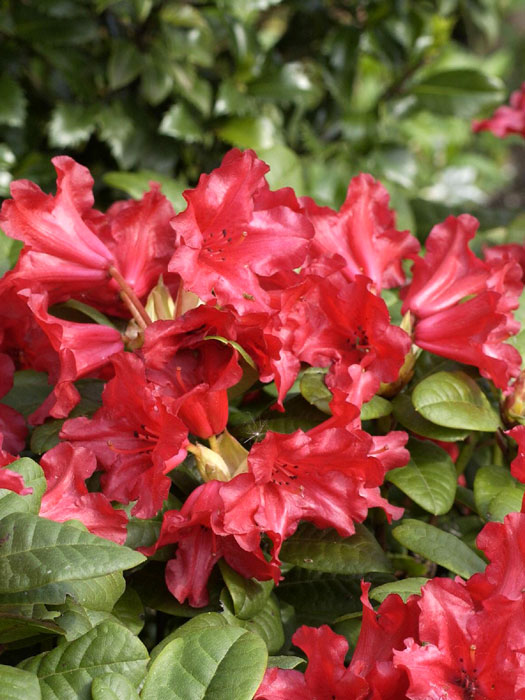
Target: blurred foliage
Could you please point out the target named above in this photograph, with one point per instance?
(321, 89)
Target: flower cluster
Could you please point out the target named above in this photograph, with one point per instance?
(459, 639)
(239, 305)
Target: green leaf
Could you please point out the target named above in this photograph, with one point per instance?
(200, 622)
(314, 389)
(9, 247)
(461, 92)
(130, 611)
(16, 625)
(319, 598)
(429, 478)
(39, 556)
(11, 502)
(249, 596)
(377, 407)
(405, 413)
(76, 620)
(84, 309)
(266, 623)
(71, 125)
(12, 102)
(404, 588)
(46, 436)
(113, 686)
(17, 684)
(213, 664)
(30, 390)
(67, 671)
(180, 123)
(325, 550)
(454, 400)
(286, 662)
(249, 132)
(124, 63)
(438, 546)
(497, 492)
(135, 184)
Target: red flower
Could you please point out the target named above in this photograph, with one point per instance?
(325, 678)
(506, 120)
(81, 347)
(360, 239)
(66, 468)
(517, 466)
(325, 476)
(136, 436)
(56, 229)
(236, 230)
(468, 652)
(193, 370)
(504, 545)
(337, 328)
(199, 533)
(13, 427)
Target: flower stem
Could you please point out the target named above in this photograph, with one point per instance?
(131, 300)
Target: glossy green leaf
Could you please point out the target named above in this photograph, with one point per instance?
(202, 621)
(438, 546)
(39, 556)
(11, 502)
(17, 684)
(429, 478)
(180, 123)
(406, 414)
(266, 623)
(314, 389)
(404, 588)
(496, 492)
(285, 662)
(15, 626)
(377, 407)
(325, 550)
(249, 596)
(30, 389)
(135, 184)
(454, 400)
(249, 132)
(67, 671)
(46, 436)
(213, 664)
(462, 92)
(113, 686)
(124, 64)
(130, 611)
(71, 125)
(12, 102)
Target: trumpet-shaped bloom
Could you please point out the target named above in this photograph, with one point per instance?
(506, 119)
(361, 238)
(236, 230)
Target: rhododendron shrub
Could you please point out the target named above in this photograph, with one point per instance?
(287, 424)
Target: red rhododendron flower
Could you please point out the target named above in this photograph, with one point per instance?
(449, 272)
(234, 230)
(81, 347)
(56, 228)
(382, 632)
(504, 545)
(193, 370)
(361, 238)
(517, 467)
(469, 333)
(325, 678)
(66, 468)
(337, 328)
(325, 476)
(199, 533)
(136, 436)
(468, 652)
(506, 120)
(12, 424)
